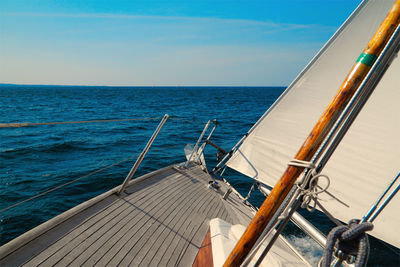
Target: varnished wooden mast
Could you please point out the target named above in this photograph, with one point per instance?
(316, 137)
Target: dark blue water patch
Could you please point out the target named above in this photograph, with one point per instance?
(34, 159)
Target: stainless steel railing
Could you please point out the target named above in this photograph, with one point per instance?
(143, 154)
(197, 143)
(200, 149)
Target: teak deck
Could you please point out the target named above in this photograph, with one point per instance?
(161, 220)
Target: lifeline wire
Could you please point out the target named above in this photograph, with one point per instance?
(26, 124)
(80, 178)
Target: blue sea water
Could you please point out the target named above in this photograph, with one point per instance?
(36, 158)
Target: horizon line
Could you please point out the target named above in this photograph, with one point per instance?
(149, 86)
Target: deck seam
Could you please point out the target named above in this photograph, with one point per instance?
(210, 214)
(180, 245)
(193, 198)
(19, 242)
(187, 194)
(98, 217)
(189, 208)
(125, 203)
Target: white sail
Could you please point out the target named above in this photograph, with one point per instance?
(367, 159)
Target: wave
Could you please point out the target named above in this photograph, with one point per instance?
(308, 248)
(66, 146)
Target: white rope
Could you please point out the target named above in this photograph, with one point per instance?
(310, 195)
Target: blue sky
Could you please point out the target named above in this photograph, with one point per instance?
(121, 42)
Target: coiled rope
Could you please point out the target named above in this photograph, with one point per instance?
(349, 239)
(344, 240)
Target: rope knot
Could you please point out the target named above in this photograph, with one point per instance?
(308, 186)
(351, 240)
(310, 194)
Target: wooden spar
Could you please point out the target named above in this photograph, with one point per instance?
(316, 137)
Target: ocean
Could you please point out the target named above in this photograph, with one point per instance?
(37, 158)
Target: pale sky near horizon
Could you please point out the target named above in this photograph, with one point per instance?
(175, 42)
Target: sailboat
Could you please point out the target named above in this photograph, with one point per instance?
(188, 215)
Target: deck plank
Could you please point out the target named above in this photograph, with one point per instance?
(187, 256)
(195, 221)
(159, 221)
(116, 249)
(62, 247)
(135, 211)
(111, 240)
(172, 247)
(79, 230)
(144, 247)
(136, 240)
(168, 234)
(106, 240)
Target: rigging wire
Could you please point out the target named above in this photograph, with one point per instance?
(27, 124)
(82, 177)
